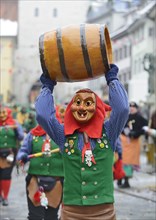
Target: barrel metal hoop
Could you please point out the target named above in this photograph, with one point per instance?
(85, 51)
(103, 47)
(41, 50)
(61, 54)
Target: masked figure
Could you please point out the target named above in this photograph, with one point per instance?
(10, 135)
(87, 144)
(45, 175)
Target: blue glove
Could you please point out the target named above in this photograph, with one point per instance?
(112, 73)
(120, 156)
(47, 82)
(24, 157)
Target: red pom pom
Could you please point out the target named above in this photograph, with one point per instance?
(37, 196)
(118, 170)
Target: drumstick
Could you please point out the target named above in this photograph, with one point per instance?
(9, 126)
(42, 153)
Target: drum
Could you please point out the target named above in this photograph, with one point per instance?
(76, 52)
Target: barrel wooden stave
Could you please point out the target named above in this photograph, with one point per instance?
(51, 56)
(73, 53)
(80, 51)
(93, 39)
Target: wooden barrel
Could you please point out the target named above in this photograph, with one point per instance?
(76, 52)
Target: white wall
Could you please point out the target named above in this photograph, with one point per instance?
(27, 62)
(138, 86)
(31, 27)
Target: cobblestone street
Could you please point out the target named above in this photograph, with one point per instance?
(136, 203)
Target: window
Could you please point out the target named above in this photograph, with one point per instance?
(142, 32)
(55, 12)
(125, 51)
(130, 50)
(139, 65)
(135, 67)
(36, 12)
(116, 55)
(150, 32)
(120, 51)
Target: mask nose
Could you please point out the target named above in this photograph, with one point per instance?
(82, 107)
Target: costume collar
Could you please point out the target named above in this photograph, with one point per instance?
(37, 131)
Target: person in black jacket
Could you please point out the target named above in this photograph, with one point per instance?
(131, 142)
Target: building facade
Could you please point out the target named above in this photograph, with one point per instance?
(36, 18)
(8, 35)
(131, 41)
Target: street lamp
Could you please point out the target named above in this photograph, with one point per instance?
(148, 63)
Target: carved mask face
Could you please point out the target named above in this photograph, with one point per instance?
(3, 114)
(84, 106)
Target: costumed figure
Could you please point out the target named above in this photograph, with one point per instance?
(22, 115)
(11, 133)
(30, 122)
(87, 144)
(150, 130)
(131, 142)
(45, 175)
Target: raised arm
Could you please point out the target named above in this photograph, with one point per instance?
(45, 111)
(119, 103)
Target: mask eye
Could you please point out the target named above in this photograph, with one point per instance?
(89, 103)
(78, 101)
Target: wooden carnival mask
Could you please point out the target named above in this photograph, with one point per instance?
(84, 106)
(3, 114)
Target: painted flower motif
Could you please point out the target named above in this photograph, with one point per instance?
(72, 151)
(99, 141)
(71, 143)
(69, 147)
(102, 145)
(66, 144)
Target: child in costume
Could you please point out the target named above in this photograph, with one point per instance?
(45, 175)
(87, 145)
(11, 133)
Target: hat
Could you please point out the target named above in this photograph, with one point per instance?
(133, 104)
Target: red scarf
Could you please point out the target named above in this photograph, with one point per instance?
(9, 120)
(37, 131)
(94, 127)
